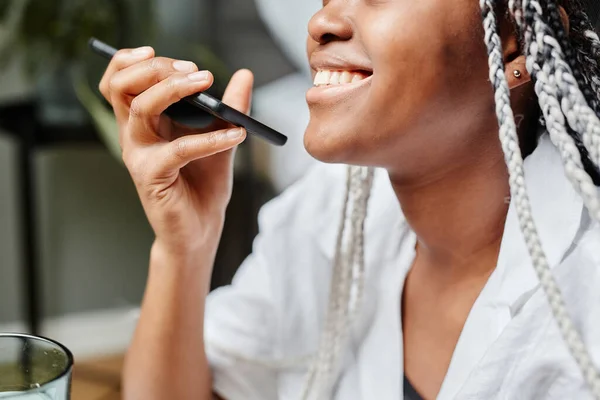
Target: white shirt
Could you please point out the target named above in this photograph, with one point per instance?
(510, 347)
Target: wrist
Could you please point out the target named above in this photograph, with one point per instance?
(190, 253)
(193, 266)
(196, 252)
(181, 242)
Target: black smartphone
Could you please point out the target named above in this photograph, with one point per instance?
(213, 106)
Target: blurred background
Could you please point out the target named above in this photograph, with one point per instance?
(74, 241)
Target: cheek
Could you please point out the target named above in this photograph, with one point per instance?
(428, 72)
(341, 133)
(411, 72)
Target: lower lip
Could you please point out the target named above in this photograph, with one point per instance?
(332, 93)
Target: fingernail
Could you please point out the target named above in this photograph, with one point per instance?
(184, 66)
(198, 76)
(235, 133)
(142, 51)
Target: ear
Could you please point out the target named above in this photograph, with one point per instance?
(516, 72)
(514, 60)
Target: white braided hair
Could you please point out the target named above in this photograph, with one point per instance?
(347, 285)
(557, 89)
(553, 81)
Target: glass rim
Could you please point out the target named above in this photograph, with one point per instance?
(70, 360)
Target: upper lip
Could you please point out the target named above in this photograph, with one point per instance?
(322, 60)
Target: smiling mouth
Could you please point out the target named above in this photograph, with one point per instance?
(339, 77)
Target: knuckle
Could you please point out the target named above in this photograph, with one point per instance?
(136, 109)
(159, 194)
(174, 82)
(212, 140)
(114, 86)
(156, 64)
(180, 149)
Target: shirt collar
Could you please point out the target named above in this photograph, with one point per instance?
(556, 210)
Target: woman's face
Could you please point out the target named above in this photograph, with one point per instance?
(420, 89)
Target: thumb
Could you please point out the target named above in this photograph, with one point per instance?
(238, 95)
(239, 91)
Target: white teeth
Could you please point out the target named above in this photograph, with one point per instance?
(325, 77)
(345, 77)
(322, 78)
(335, 78)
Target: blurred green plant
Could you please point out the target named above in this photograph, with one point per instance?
(53, 34)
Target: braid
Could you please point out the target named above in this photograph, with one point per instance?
(575, 47)
(586, 43)
(574, 105)
(334, 306)
(347, 285)
(550, 100)
(553, 78)
(585, 82)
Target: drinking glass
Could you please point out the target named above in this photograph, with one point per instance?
(34, 368)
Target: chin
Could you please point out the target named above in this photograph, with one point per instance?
(328, 145)
(335, 132)
(340, 143)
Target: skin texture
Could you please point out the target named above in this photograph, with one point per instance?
(426, 115)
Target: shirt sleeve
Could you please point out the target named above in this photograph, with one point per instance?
(244, 321)
(239, 330)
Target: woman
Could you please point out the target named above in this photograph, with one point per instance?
(434, 277)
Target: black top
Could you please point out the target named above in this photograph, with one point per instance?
(409, 391)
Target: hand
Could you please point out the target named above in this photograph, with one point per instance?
(183, 176)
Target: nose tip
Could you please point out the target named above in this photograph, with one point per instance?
(329, 24)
